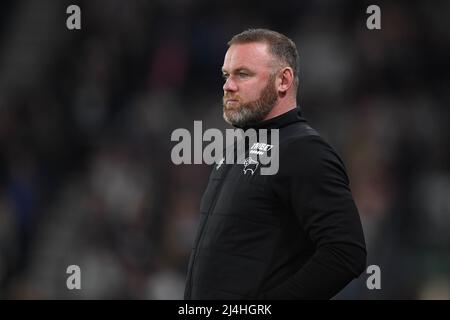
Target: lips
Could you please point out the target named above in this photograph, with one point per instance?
(230, 99)
(231, 104)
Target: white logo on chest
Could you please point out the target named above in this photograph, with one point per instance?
(260, 148)
(250, 165)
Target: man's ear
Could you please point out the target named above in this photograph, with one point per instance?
(286, 79)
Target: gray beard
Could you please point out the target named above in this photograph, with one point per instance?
(253, 111)
(246, 114)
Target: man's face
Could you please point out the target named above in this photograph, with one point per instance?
(249, 89)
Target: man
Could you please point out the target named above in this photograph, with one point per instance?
(292, 235)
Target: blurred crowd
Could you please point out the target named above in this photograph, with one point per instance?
(86, 116)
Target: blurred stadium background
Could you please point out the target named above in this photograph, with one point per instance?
(86, 118)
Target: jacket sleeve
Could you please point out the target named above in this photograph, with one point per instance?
(314, 184)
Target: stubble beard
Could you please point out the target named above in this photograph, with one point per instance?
(245, 114)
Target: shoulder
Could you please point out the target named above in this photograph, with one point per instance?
(308, 154)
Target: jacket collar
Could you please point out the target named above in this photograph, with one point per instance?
(277, 122)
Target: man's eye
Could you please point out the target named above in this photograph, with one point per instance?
(243, 74)
(225, 76)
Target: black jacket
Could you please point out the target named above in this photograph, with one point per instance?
(293, 235)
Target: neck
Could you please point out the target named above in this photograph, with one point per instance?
(281, 107)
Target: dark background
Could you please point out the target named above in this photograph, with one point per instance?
(86, 117)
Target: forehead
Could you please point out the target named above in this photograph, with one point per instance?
(253, 55)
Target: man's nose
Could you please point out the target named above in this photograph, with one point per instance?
(229, 85)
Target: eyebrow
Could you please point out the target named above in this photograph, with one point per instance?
(237, 70)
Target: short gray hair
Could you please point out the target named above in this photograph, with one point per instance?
(280, 46)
